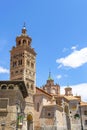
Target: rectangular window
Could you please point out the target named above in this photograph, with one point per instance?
(85, 113)
(28, 63)
(15, 64)
(3, 103)
(85, 122)
(20, 62)
(3, 107)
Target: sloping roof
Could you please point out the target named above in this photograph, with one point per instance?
(54, 105)
(59, 96)
(41, 91)
(83, 103)
(69, 98)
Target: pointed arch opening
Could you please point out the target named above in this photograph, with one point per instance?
(29, 122)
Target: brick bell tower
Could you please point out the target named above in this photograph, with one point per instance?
(23, 61)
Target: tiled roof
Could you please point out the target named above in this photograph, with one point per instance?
(54, 105)
(41, 91)
(70, 98)
(83, 104)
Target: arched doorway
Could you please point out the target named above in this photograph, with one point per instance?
(29, 122)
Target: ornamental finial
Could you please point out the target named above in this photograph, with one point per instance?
(24, 25)
(24, 29)
(49, 77)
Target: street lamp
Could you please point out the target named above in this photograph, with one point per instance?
(3, 125)
(19, 115)
(17, 111)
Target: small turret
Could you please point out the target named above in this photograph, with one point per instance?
(50, 81)
(68, 91)
(23, 39)
(50, 87)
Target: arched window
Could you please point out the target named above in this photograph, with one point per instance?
(28, 63)
(29, 122)
(3, 87)
(19, 42)
(11, 87)
(37, 107)
(24, 41)
(14, 63)
(20, 62)
(28, 42)
(31, 86)
(32, 65)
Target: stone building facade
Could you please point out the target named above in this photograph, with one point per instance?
(24, 106)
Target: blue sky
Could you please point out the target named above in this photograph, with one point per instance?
(59, 35)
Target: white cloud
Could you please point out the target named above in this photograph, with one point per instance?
(73, 47)
(76, 59)
(3, 70)
(79, 89)
(59, 76)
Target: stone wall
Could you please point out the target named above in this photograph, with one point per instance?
(8, 114)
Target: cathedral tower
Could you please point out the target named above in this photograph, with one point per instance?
(23, 61)
(50, 87)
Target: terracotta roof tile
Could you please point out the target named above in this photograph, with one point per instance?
(40, 91)
(83, 103)
(70, 98)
